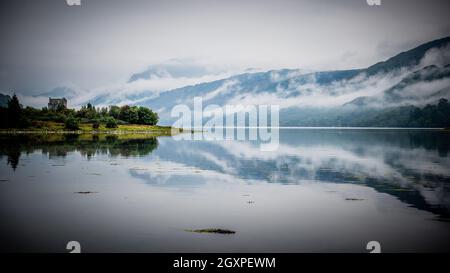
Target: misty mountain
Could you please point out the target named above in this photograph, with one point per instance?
(4, 99)
(406, 89)
(172, 69)
(157, 79)
(407, 59)
(416, 77)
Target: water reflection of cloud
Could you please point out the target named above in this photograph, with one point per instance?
(396, 167)
(168, 173)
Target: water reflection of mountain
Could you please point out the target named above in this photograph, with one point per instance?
(61, 145)
(412, 165)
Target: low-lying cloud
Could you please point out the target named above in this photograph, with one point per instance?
(294, 88)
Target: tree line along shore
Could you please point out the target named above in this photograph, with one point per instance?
(16, 118)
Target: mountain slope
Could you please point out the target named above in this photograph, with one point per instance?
(392, 83)
(428, 84)
(4, 99)
(409, 58)
(173, 69)
(415, 77)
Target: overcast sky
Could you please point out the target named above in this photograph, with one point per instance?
(45, 44)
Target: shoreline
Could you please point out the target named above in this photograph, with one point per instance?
(173, 131)
(159, 131)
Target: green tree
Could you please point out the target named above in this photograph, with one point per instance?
(15, 116)
(134, 115)
(88, 112)
(124, 113)
(111, 122)
(147, 116)
(129, 114)
(71, 123)
(114, 111)
(104, 111)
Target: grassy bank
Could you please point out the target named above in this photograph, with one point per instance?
(84, 128)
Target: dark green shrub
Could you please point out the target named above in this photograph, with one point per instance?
(111, 123)
(95, 124)
(71, 123)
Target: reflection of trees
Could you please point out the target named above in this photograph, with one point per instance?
(427, 139)
(118, 147)
(431, 141)
(411, 165)
(12, 150)
(62, 145)
(13, 154)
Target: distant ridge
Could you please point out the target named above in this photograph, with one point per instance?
(306, 98)
(408, 58)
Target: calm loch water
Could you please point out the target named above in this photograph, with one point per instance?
(323, 190)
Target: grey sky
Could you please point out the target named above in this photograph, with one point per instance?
(47, 43)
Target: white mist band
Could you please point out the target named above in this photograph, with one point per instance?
(229, 122)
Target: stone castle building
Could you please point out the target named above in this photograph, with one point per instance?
(55, 104)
